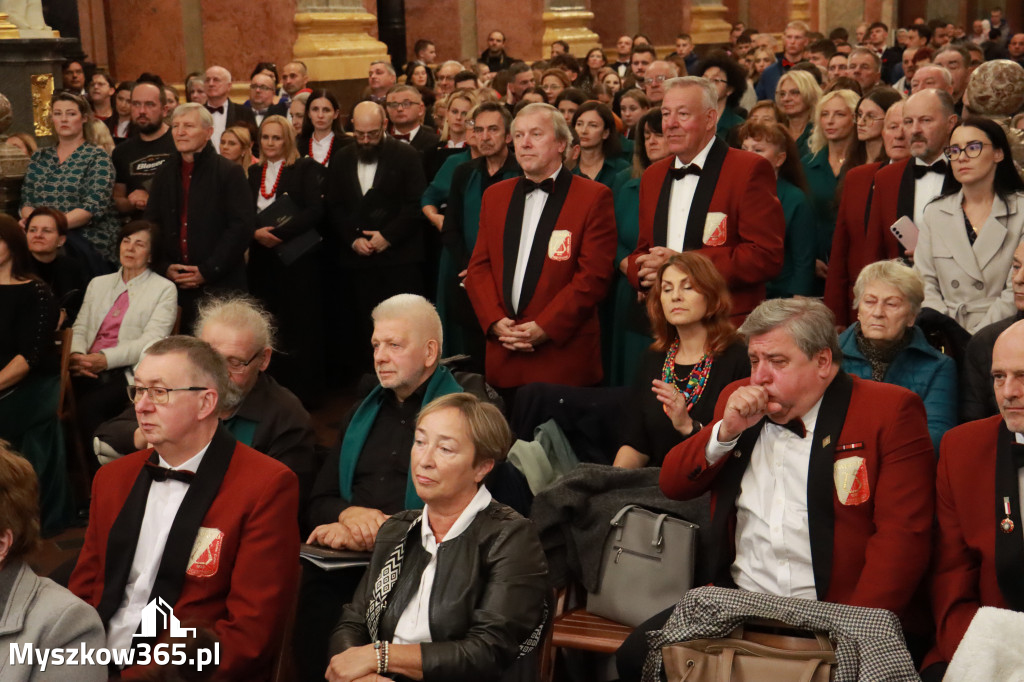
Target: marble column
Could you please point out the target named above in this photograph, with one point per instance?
(568, 20)
(334, 39)
(708, 22)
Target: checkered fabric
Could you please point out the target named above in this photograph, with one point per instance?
(869, 642)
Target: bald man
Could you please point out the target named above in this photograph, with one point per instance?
(373, 191)
(225, 112)
(978, 547)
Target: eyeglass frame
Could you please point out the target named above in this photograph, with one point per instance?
(140, 391)
(659, 79)
(949, 151)
(404, 104)
(869, 118)
(261, 87)
(242, 366)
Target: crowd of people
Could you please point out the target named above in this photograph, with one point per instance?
(808, 259)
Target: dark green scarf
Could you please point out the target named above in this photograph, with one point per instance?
(441, 383)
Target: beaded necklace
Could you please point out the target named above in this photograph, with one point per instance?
(327, 157)
(263, 183)
(693, 386)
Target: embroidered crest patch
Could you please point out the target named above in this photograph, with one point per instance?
(851, 479)
(714, 229)
(560, 245)
(205, 557)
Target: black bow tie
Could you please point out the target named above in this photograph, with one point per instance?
(680, 173)
(794, 425)
(215, 110)
(543, 185)
(937, 167)
(159, 473)
(404, 137)
(1017, 451)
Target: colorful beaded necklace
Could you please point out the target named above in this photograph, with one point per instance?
(693, 387)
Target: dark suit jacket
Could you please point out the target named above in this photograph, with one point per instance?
(236, 113)
(872, 553)
(273, 110)
(568, 274)
(426, 139)
(340, 141)
(740, 185)
(392, 205)
(220, 217)
(302, 182)
(243, 584)
(975, 563)
(847, 256)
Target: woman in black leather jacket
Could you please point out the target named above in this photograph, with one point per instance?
(471, 572)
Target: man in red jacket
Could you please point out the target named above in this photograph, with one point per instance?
(979, 549)
(543, 262)
(198, 521)
(710, 198)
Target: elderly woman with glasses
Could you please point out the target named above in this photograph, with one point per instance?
(884, 344)
(968, 236)
(471, 574)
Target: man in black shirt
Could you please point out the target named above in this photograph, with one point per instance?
(495, 56)
(137, 159)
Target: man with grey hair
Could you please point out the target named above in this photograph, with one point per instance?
(654, 80)
(520, 80)
(905, 187)
(225, 112)
(822, 484)
(204, 208)
(931, 76)
(196, 520)
(957, 62)
(381, 78)
(865, 67)
(710, 198)
(444, 81)
(542, 263)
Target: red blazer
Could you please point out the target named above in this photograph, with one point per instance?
(847, 256)
(872, 552)
(570, 269)
(246, 592)
(742, 186)
(975, 563)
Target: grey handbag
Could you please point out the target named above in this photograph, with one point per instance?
(646, 567)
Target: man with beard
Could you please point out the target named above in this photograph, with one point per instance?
(137, 159)
(374, 188)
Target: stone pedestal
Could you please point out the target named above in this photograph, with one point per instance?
(800, 10)
(334, 39)
(568, 21)
(30, 71)
(708, 23)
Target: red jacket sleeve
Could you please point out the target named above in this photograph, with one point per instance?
(482, 284)
(685, 473)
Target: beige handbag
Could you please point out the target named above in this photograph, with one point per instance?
(749, 655)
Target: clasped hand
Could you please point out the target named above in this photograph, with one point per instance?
(356, 528)
(522, 337)
(373, 242)
(747, 406)
(648, 264)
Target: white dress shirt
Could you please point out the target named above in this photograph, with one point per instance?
(535, 203)
(773, 542)
(321, 147)
(681, 198)
(926, 189)
(1019, 438)
(161, 507)
(220, 122)
(413, 625)
(365, 172)
(269, 178)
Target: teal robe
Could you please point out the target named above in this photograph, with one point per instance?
(797, 276)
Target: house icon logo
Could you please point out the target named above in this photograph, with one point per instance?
(159, 616)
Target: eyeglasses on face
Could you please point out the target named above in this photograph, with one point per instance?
(407, 104)
(971, 150)
(236, 366)
(261, 86)
(868, 118)
(159, 395)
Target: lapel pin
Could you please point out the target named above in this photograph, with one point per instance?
(1006, 525)
(825, 441)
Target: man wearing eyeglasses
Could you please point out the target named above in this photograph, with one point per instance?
(199, 521)
(374, 191)
(261, 102)
(260, 412)
(654, 80)
(404, 105)
(225, 112)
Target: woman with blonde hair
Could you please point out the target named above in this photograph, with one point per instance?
(797, 94)
(282, 258)
(832, 141)
(236, 146)
(458, 106)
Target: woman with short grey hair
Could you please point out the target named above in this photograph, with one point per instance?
(885, 344)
